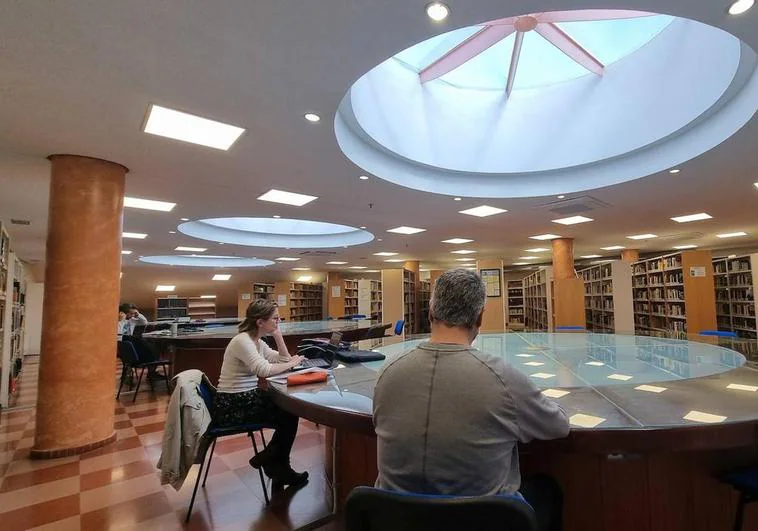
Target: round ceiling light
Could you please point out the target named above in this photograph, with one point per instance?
(740, 6)
(437, 11)
(194, 260)
(311, 117)
(276, 232)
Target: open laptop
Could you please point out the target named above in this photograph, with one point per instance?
(317, 353)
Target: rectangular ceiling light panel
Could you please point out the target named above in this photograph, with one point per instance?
(169, 123)
(286, 198)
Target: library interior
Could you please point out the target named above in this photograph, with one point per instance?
(165, 165)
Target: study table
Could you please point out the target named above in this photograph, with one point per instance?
(652, 420)
(201, 345)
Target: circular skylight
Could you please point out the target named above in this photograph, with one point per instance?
(196, 260)
(273, 232)
(548, 103)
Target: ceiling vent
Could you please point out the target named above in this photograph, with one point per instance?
(20, 222)
(318, 253)
(574, 206)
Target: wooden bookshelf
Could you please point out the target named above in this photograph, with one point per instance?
(515, 317)
(350, 290)
(303, 301)
(370, 298)
(263, 290)
(538, 299)
(608, 302)
(425, 293)
(201, 308)
(409, 301)
(674, 294)
(734, 282)
(171, 307)
(12, 321)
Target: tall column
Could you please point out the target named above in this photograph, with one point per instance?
(434, 274)
(78, 352)
(630, 255)
(563, 258)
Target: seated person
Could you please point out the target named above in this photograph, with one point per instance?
(122, 327)
(132, 318)
(448, 417)
(240, 401)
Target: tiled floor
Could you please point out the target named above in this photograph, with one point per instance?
(118, 487)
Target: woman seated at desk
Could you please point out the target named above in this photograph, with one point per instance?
(240, 401)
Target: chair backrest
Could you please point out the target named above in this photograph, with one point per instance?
(370, 509)
(717, 333)
(569, 329)
(127, 353)
(399, 325)
(376, 331)
(207, 395)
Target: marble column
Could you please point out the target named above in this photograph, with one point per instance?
(75, 405)
(630, 255)
(563, 258)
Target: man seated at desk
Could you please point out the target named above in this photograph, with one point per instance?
(129, 317)
(448, 417)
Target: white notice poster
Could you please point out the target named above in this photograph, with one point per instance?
(245, 296)
(335, 291)
(281, 300)
(698, 271)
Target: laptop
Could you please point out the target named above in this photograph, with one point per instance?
(319, 354)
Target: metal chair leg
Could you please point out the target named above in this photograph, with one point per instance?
(260, 470)
(263, 439)
(165, 375)
(194, 491)
(138, 382)
(124, 371)
(740, 513)
(208, 466)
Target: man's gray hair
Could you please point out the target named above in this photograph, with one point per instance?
(458, 298)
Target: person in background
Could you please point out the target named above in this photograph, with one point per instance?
(448, 417)
(122, 327)
(239, 400)
(133, 316)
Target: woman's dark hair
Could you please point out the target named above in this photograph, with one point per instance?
(258, 309)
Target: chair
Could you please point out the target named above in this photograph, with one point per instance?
(718, 333)
(370, 509)
(569, 329)
(745, 482)
(399, 325)
(127, 353)
(357, 317)
(213, 433)
(376, 331)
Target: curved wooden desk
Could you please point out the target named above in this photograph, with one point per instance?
(203, 348)
(649, 462)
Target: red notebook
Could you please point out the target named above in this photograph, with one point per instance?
(310, 377)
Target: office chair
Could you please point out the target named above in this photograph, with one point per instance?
(745, 482)
(370, 509)
(399, 325)
(717, 333)
(127, 353)
(376, 331)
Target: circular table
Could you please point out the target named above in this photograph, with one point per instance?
(201, 346)
(652, 420)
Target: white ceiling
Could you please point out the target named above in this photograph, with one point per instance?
(77, 77)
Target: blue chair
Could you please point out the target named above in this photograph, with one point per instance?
(357, 316)
(745, 482)
(127, 353)
(370, 509)
(399, 325)
(718, 333)
(569, 328)
(213, 433)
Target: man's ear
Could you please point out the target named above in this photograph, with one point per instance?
(479, 319)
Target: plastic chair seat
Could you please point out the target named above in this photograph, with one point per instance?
(218, 431)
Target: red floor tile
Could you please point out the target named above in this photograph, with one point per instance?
(40, 514)
(45, 475)
(127, 514)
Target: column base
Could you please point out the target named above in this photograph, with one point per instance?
(76, 450)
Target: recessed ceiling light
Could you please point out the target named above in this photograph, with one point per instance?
(692, 217)
(191, 249)
(406, 230)
(519, 263)
(544, 237)
(304, 278)
(178, 125)
(221, 243)
(458, 198)
(336, 263)
(184, 219)
(301, 269)
(573, 220)
(363, 228)
(277, 216)
(561, 196)
(591, 256)
(740, 6)
(124, 251)
(287, 259)
(134, 235)
(537, 250)
(732, 256)
(755, 184)
(642, 237)
(221, 277)
(437, 11)
(482, 211)
(286, 198)
(363, 177)
(731, 234)
(465, 259)
(172, 232)
(457, 241)
(148, 204)
(462, 251)
(164, 287)
(385, 253)
(312, 117)
(357, 267)
(394, 260)
(528, 257)
(207, 296)
(689, 246)
(674, 171)
(613, 248)
(379, 239)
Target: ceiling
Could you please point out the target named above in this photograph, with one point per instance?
(78, 77)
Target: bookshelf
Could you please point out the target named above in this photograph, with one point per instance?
(409, 300)
(734, 283)
(674, 294)
(201, 307)
(12, 325)
(538, 299)
(608, 302)
(370, 298)
(171, 307)
(350, 289)
(304, 301)
(515, 304)
(263, 290)
(425, 294)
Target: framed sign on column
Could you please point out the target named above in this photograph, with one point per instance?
(491, 279)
